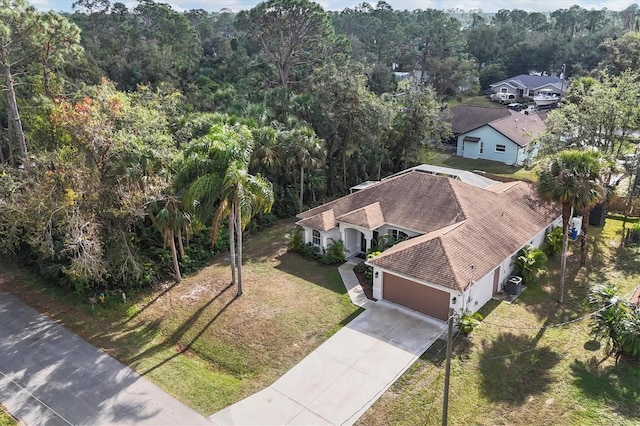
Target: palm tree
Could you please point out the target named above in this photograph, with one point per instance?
(304, 150)
(217, 185)
(571, 179)
(613, 319)
(171, 221)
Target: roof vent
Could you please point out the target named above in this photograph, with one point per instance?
(516, 119)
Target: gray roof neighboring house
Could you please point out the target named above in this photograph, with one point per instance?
(526, 81)
(465, 118)
(520, 128)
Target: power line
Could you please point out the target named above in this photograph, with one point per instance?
(544, 327)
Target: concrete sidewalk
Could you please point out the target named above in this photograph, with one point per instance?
(50, 376)
(339, 381)
(352, 285)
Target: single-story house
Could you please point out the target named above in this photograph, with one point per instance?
(496, 134)
(459, 239)
(527, 86)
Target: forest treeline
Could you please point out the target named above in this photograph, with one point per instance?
(117, 122)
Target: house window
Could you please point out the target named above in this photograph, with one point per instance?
(481, 147)
(316, 237)
(503, 90)
(501, 148)
(398, 235)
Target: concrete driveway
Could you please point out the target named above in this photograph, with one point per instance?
(343, 377)
(50, 376)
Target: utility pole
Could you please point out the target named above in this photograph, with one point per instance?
(447, 371)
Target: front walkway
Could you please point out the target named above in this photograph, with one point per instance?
(353, 285)
(343, 377)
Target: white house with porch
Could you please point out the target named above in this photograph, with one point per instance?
(459, 239)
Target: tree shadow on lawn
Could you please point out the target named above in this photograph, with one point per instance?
(326, 276)
(513, 368)
(617, 386)
(626, 260)
(174, 338)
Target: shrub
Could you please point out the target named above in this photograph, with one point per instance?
(335, 253)
(296, 240)
(553, 242)
(468, 322)
(529, 262)
(373, 254)
(311, 252)
(366, 272)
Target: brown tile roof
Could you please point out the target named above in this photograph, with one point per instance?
(322, 221)
(369, 217)
(520, 128)
(466, 117)
(402, 201)
(498, 223)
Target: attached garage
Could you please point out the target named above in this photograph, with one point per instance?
(419, 297)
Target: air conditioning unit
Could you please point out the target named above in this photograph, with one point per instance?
(514, 285)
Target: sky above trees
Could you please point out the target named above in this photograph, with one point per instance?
(485, 5)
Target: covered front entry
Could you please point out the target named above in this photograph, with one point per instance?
(355, 241)
(421, 298)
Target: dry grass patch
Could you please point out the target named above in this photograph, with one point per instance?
(196, 339)
(517, 370)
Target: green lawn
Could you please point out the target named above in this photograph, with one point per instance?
(6, 419)
(515, 371)
(196, 340)
(207, 348)
(448, 159)
(482, 101)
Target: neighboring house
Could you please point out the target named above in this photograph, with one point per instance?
(527, 86)
(496, 134)
(460, 242)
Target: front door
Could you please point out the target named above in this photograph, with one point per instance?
(363, 243)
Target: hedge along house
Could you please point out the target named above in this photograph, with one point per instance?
(496, 134)
(461, 238)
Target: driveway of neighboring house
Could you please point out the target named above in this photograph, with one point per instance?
(343, 377)
(50, 376)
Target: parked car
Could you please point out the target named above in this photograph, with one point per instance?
(503, 98)
(516, 106)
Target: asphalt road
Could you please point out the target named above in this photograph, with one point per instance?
(50, 376)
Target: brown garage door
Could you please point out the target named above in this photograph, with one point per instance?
(418, 297)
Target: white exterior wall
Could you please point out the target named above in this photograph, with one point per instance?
(325, 237)
(506, 268)
(351, 239)
(330, 236)
(476, 296)
(377, 283)
(504, 88)
(482, 291)
(308, 235)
